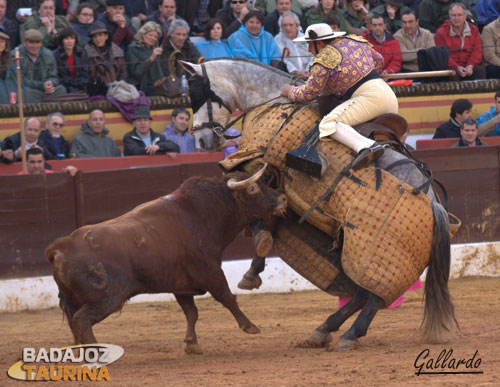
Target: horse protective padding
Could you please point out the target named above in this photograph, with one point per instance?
(309, 259)
(387, 231)
(272, 130)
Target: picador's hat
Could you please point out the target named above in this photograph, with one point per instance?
(320, 31)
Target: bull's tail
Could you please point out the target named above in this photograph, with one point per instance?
(439, 323)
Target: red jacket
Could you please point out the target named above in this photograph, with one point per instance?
(390, 50)
(472, 54)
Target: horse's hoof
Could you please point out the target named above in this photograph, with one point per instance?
(249, 283)
(343, 345)
(193, 349)
(252, 329)
(317, 340)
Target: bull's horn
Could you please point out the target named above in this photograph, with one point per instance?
(235, 185)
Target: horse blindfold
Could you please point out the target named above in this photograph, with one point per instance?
(200, 92)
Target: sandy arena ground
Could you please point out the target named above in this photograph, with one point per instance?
(152, 336)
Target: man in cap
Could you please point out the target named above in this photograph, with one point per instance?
(117, 23)
(38, 69)
(143, 140)
(347, 66)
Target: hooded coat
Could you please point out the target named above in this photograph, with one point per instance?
(88, 145)
(261, 48)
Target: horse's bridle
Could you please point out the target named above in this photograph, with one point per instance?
(216, 127)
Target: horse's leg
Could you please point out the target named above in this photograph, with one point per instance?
(321, 335)
(349, 340)
(263, 242)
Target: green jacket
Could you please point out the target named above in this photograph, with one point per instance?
(35, 74)
(89, 145)
(34, 22)
(316, 15)
(142, 73)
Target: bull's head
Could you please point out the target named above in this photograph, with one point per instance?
(254, 188)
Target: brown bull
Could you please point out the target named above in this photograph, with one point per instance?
(172, 244)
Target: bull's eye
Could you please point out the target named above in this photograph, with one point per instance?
(253, 189)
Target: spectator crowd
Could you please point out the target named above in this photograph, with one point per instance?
(69, 48)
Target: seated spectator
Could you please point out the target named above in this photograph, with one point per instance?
(142, 57)
(8, 26)
(118, 25)
(94, 141)
(322, 10)
(489, 122)
(384, 43)
(72, 62)
(177, 131)
(45, 20)
(433, 13)
(300, 59)
(487, 11)
(138, 10)
(271, 21)
(213, 46)
(143, 140)
(391, 12)
(460, 110)
(12, 146)
(251, 41)
(197, 13)
(36, 165)
(106, 59)
(52, 139)
(468, 134)
(82, 21)
(8, 82)
(38, 69)
(356, 15)
(412, 38)
(334, 22)
(464, 42)
(491, 49)
(178, 44)
(163, 16)
(232, 15)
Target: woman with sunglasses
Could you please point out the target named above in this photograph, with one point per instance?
(232, 15)
(214, 46)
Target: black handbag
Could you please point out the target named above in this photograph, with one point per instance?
(171, 85)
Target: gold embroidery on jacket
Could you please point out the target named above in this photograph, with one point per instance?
(328, 57)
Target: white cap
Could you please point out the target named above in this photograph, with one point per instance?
(320, 31)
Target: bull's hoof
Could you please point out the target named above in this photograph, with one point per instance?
(263, 242)
(252, 329)
(250, 282)
(193, 349)
(318, 339)
(343, 345)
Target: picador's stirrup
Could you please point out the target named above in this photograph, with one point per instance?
(365, 156)
(305, 159)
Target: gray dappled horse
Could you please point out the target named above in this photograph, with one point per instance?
(242, 84)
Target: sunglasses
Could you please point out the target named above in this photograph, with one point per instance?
(239, 2)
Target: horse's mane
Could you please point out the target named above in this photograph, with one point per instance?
(252, 62)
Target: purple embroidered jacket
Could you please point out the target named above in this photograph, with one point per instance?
(337, 67)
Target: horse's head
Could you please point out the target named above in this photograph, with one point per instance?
(211, 112)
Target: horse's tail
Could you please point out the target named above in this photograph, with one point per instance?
(439, 323)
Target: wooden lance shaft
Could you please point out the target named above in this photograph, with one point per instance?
(21, 113)
(420, 74)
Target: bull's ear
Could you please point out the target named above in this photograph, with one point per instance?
(191, 68)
